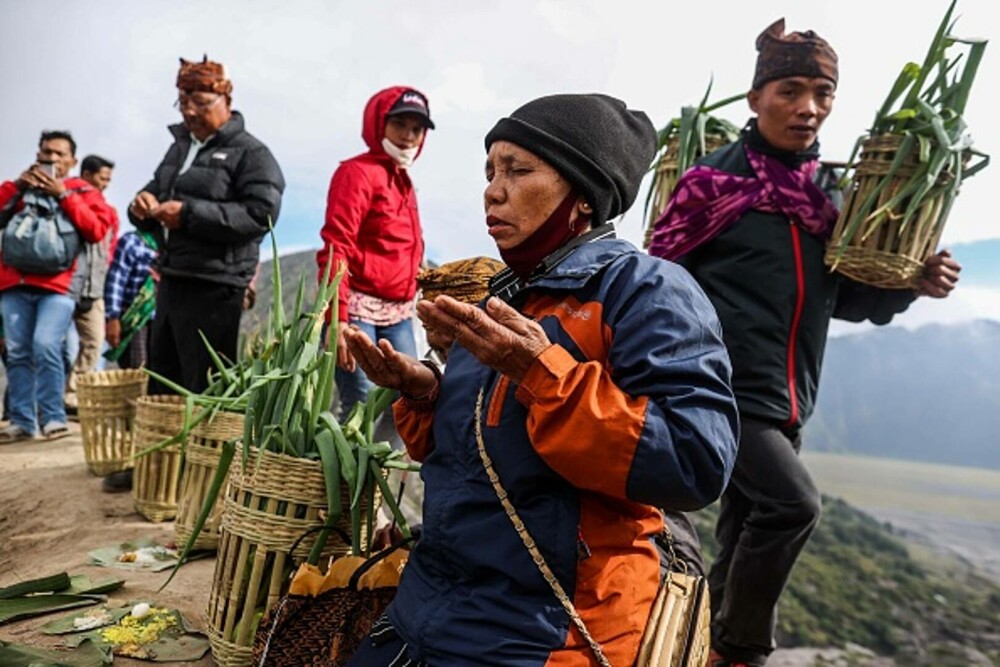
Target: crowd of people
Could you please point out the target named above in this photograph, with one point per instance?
(598, 393)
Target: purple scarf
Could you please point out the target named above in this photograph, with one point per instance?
(706, 201)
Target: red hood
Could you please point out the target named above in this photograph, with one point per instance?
(374, 121)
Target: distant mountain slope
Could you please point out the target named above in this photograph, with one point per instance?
(294, 266)
(930, 395)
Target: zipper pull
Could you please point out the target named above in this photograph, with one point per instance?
(582, 550)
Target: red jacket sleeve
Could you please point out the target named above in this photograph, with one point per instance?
(90, 213)
(414, 424)
(8, 193)
(347, 204)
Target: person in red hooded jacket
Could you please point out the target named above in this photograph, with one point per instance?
(36, 308)
(372, 226)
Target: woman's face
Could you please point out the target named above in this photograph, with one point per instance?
(523, 191)
(405, 130)
(790, 111)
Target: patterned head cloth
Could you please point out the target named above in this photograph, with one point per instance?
(206, 76)
(795, 54)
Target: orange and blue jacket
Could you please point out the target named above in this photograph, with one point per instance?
(629, 410)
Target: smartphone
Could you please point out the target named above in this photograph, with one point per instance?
(48, 168)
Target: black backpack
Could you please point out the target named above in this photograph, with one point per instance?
(40, 238)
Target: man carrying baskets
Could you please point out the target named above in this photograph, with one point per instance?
(751, 224)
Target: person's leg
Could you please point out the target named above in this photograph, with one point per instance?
(734, 508)
(90, 326)
(185, 307)
(136, 352)
(71, 351)
(785, 509)
(18, 307)
(6, 393)
(402, 339)
(354, 387)
(54, 318)
(213, 310)
(164, 358)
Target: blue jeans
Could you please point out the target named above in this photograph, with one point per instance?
(35, 325)
(354, 387)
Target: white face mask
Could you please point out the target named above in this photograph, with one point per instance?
(404, 157)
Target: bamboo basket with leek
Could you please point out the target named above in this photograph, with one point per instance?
(694, 134)
(305, 486)
(912, 163)
(201, 460)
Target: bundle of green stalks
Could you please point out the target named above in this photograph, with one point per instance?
(924, 112)
(283, 384)
(695, 133)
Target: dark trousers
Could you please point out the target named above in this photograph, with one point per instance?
(183, 308)
(136, 353)
(768, 512)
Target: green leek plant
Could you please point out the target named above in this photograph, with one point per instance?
(689, 137)
(284, 386)
(929, 118)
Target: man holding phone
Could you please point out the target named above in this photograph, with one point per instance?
(35, 306)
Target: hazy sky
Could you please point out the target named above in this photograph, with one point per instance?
(303, 70)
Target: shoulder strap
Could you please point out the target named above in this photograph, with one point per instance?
(529, 543)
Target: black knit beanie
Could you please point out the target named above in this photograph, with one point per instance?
(594, 141)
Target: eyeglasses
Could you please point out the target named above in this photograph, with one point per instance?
(182, 103)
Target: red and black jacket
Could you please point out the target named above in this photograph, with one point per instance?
(775, 297)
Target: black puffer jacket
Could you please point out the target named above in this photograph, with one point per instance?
(775, 297)
(229, 193)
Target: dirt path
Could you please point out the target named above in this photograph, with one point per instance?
(52, 512)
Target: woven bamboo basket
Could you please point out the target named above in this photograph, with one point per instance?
(201, 460)
(666, 177)
(269, 508)
(465, 280)
(156, 482)
(889, 257)
(107, 412)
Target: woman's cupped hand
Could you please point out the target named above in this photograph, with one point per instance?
(388, 368)
(498, 336)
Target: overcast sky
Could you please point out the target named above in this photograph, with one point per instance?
(303, 70)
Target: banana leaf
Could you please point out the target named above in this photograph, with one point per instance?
(66, 624)
(109, 556)
(179, 643)
(16, 609)
(87, 654)
(50, 584)
(82, 585)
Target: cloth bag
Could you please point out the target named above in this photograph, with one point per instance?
(322, 621)
(677, 632)
(39, 239)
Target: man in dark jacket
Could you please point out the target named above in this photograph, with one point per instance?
(751, 224)
(210, 200)
(209, 204)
